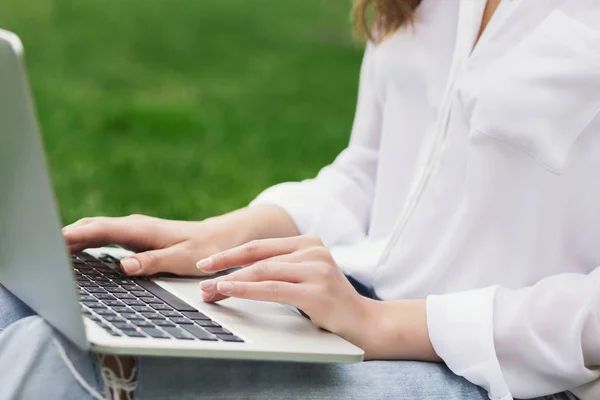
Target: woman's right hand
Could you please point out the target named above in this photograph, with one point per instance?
(175, 246)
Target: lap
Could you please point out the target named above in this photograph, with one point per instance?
(32, 367)
(164, 378)
(36, 370)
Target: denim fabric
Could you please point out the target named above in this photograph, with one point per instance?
(31, 368)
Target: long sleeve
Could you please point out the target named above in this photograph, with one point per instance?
(524, 343)
(336, 205)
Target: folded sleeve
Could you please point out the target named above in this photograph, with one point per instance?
(523, 343)
(336, 205)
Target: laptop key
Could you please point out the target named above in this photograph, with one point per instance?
(120, 309)
(107, 283)
(133, 333)
(178, 333)
(152, 315)
(104, 296)
(155, 333)
(142, 308)
(216, 330)
(113, 303)
(137, 303)
(104, 325)
(113, 318)
(130, 287)
(206, 323)
(181, 321)
(163, 322)
(131, 315)
(116, 289)
(229, 338)
(163, 307)
(122, 281)
(152, 300)
(85, 256)
(108, 258)
(94, 304)
(112, 274)
(195, 315)
(122, 325)
(124, 296)
(141, 293)
(96, 290)
(86, 284)
(165, 296)
(87, 298)
(104, 311)
(139, 322)
(199, 332)
(170, 314)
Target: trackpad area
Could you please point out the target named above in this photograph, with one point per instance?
(246, 318)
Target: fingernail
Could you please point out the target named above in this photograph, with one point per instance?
(131, 265)
(204, 264)
(207, 284)
(225, 287)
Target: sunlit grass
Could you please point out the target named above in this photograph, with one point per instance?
(185, 108)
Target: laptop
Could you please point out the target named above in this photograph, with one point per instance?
(85, 296)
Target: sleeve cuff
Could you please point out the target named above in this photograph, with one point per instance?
(313, 212)
(291, 199)
(461, 331)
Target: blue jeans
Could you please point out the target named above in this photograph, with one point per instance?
(32, 368)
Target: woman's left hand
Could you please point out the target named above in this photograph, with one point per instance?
(298, 271)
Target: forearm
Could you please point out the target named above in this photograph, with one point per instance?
(397, 330)
(257, 222)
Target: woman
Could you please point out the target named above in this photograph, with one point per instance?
(468, 186)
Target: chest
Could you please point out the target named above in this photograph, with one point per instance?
(531, 78)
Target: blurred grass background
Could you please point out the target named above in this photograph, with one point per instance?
(185, 108)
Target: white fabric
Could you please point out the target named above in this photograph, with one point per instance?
(472, 177)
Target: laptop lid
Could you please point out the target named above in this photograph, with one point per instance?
(34, 263)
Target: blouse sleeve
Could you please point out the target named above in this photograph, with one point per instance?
(525, 343)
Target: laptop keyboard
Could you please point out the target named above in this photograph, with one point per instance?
(138, 307)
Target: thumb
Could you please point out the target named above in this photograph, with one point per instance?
(151, 262)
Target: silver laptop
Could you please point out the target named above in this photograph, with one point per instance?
(85, 297)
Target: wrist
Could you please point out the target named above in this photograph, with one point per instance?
(253, 223)
(398, 330)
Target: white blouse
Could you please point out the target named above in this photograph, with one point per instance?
(472, 179)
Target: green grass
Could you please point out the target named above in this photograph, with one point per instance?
(185, 108)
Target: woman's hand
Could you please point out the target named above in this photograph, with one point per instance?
(298, 271)
(301, 272)
(175, 246)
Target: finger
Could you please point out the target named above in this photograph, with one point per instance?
(210, 295)
(278, 292)
(252, 252)
(133, 235)
(76, 248)
(81, 222)
(213, 297)
(259, 272)
(172, 259)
